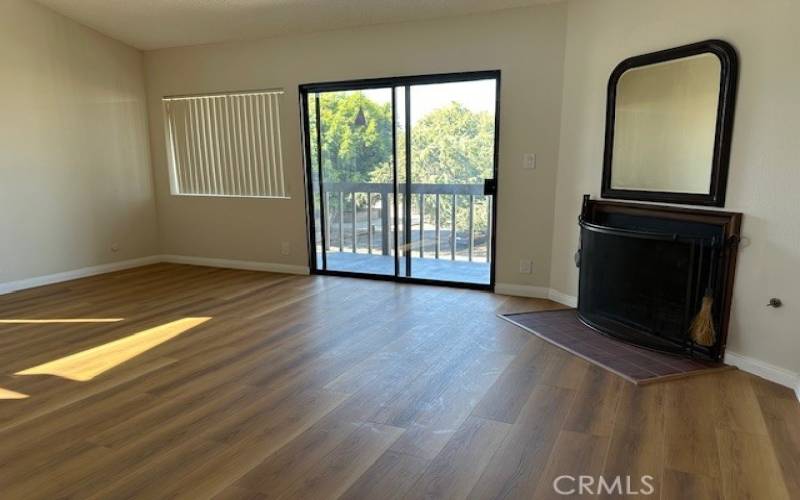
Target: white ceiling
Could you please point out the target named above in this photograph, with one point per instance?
(153, 24)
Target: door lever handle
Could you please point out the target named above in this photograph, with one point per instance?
(489, 187)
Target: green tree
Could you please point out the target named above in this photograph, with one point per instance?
(352, 150)
(450, 145)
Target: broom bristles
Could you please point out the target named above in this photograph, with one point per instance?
(702, 329)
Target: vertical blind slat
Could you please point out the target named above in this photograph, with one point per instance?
(201, 146)
(213, 146)
(217, 145)
(193, 167)
(242, 146)
(268, 146)
(272, 139)
(248, 147)
(254, 133)
(234, 188)
(252, 138)
(209, 148)
(261, 130)
(237, 144)
(185, 179)
(251, 181)
(277, 129)
(218, 136)
(202, 173)
(234, 144)
(226, 145)
(259, 144)
(174, 152)
(267, 119)
(177, 152)
(257, 147)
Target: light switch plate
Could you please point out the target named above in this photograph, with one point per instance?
(529, 161)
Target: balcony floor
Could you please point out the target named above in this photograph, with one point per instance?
(429, 268)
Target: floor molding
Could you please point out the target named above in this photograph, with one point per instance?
(765, 370)
(536, 292)
(563, 298)
(49, 279)
(236, 264)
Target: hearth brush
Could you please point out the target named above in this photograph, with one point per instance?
(702, 329)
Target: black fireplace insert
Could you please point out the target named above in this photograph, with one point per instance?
(644, 270)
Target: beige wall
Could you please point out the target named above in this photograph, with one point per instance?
(764, 172)
(526, 44)
(75, 172)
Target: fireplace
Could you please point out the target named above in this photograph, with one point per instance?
(644, 270)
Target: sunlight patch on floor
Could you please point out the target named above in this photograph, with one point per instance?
(86, 365)
(71, 320)
(9, 394)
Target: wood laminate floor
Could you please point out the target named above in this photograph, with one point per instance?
(173, 381)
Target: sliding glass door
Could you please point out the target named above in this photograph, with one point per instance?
(401, 175)
(353, 180)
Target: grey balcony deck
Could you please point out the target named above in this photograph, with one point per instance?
(433, 269)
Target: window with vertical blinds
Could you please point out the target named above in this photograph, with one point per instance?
(226, 144)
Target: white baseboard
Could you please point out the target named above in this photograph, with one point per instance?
(236, 264)
(765, 370)
(563, 298)
(536, 292)
(49, 279)
(13, 286)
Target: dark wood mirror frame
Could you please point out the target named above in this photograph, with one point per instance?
(729, 73)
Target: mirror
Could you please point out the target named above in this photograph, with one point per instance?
(664, 127)
(668, 125)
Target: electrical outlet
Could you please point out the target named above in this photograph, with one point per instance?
(525, 266)
(286, 249)
(529, 161)
(115, 247)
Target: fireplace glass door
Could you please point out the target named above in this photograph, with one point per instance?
(633, 284)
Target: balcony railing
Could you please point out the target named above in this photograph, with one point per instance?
(359, 217)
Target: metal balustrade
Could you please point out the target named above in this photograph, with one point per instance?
(359, 213)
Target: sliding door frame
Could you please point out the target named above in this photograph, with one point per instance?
(393, 83)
